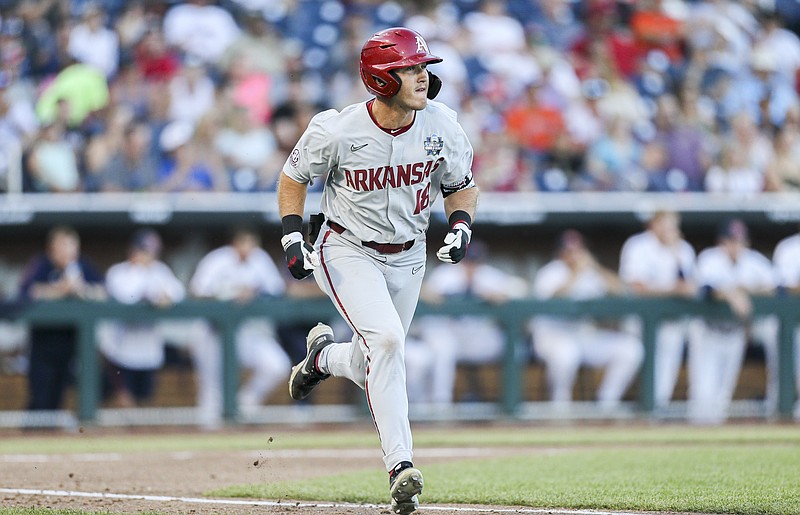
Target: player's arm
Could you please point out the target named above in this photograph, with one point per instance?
(459, 206)
(300, 256)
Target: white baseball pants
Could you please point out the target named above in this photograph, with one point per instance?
(565, 348)
(376, 294)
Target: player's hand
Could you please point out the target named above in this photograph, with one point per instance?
(301, 257)
(455, 245)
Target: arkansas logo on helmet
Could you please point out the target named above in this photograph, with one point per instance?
(390, 50)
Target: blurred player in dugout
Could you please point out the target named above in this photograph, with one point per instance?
(565, 344)
(658, 262)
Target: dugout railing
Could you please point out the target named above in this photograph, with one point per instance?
(512, 316)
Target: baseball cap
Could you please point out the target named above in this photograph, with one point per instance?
(734, 229)
(146, 240)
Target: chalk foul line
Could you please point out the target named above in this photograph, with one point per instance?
(253, 502)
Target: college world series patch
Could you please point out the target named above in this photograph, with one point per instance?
(433, 144)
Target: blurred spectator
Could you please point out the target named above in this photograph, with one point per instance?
(92, 42)
(604, 47)
(655, 28)
(497, 164)
(725, 28)
(60, 273)
(131, 167)
(557, 25)
(39, 38)
(157, 61)
(105, 143)
(240, 272)
(730, 272)
(498, 41)
(246, 147)
(734, 174)
(135, 350)
(582, 116)
(535, 125)
(258, 48)
(783, 171)
(653, 162)
(192, 93)
(564, 344)
(773, 39)
(762, 92)
(686, 144)
(131, 26)
(18, 125)
(612, 162)
(466, 340)
(200, 28)
(658, 262)
(129, 90)
(184, 166)
(52, 164)
(79, 89)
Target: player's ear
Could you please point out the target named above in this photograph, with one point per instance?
(434, 85)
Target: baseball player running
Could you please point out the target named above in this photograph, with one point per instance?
(384, 162)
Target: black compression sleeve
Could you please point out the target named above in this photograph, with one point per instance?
(459, 216)
(292, 223)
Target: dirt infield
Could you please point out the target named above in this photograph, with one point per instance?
(175, 482)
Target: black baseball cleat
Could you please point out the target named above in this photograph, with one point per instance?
(405, 485)
(305, 376)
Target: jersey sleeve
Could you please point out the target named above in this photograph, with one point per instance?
(458, 175)
(313, 155)
(632, 267)
(202, 282)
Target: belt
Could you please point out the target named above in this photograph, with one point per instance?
(383, 248)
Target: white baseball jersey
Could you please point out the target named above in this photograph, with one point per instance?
(554, 275)
(137, 346)
(380, 186)
(645, 259)
(223, 275)
(130, 283)
(751, 270)
(787, 261)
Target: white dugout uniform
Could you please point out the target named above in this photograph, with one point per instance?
(138, 346)
(786, 260)
(645, 259)
(564, 344)
(464, 339)
(221, 274)
(379, 187)
(717, 347)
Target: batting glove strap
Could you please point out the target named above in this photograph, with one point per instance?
(456, 242)
(301, 258)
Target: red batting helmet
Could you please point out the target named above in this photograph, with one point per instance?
(389, 50)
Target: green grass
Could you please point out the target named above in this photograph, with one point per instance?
(732, 470)
(731, 480)
(738, 470)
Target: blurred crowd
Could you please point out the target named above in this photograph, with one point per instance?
(556, 95)
(655, 262)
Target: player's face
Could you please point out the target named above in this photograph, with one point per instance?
(413, 92)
